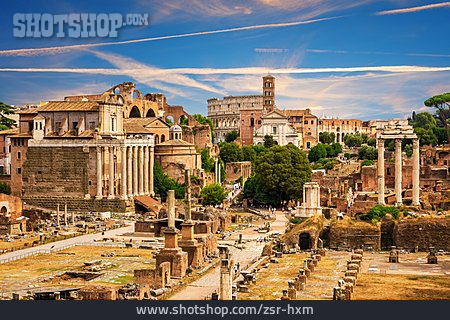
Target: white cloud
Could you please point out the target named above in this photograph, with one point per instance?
(414, 9)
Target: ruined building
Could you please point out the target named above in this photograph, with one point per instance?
(91, 152)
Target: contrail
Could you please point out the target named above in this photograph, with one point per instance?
(415, 9)
(60, 49)
(238, 71)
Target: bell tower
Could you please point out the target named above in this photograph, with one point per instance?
(268, 93)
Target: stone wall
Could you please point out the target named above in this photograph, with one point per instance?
(154, 278)
(351, 234)
(81, 205)
(97, 293)
(423, 233)
(62, 171)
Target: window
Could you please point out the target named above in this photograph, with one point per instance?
(92, 125)
(113, 124)
(252, 122)
(74, 125)
(18, 155)
(312, 121)
(40, 125)
(309, 133)
(58, 126)
(308, 145)
(306, 122)
(19, 170)
(274, 130)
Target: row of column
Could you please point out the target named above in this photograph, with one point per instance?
(398, 172)
(136, 171)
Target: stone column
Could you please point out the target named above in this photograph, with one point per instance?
(111, 173)
(123, 180)
(187, 181)
(152, 163)
(380, 171)
(398, 171)
(141, 170)
(130, 171)
(416, 173)
(72, 218)
(171, 209)
(65, 215)
(135, 171)
(216, 172)
(99, 174)
(57, 215)
(146, 160)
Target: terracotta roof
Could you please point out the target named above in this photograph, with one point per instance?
(138, 125)
(296, 113)
(28, 111)
(9, 131)
(67, 106)
(148, 202)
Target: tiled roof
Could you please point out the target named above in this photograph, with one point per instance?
(65, 106)
(175, 142)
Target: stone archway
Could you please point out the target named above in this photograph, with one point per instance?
(135, 113)
(150, 113)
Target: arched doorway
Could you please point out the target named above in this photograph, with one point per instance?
(135, 113)
(305, 241)
(183, 120)
(156, 139)
(163, 138)
(150, 114)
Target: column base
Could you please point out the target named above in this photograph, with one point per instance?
(124, 197)
(110, 197)
(98, 197)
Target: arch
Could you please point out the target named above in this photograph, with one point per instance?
(338, 136)
(304, 241)
(170, 120)
(163, 138)
(116, 90)
(150, 113)
(156, 139)
(135, 113)
(252, 122)
(183, 120)
(4, 210)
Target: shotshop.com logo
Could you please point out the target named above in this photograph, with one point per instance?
(74, 25)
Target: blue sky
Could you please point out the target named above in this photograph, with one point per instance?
(365, 59)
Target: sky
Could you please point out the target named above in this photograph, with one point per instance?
(365, 59)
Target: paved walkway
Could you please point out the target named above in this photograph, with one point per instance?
(209, 283)
(67, 242)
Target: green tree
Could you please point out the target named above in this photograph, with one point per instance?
(337, 148)
(163, 183)
(327, 137)
(4, 188)
(230, 152)
(353, 140)
(213, 194)
(268, 141)
(5, 110)
(442, 104)
(248, 153)
(231, 136)
(372, 142)
(280, 173)
(368, 153)
(317, 152)
(207, 161)
(377, 212)
(426, 136)
(424, 120)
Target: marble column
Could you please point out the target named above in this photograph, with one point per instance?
(130, 171)
(151, 164)
(416, 173)
(99, 174)
(135, 171)
(146, 160)
(398, 171)
(380, 171)
(188, 208)
(123, 180)
(141, 170)
(111, 173)
(171, 209)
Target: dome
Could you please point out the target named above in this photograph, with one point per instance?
(175, 128)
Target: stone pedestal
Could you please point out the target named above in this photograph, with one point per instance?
(190, 245)
(173, 253)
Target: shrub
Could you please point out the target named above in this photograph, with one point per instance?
(377, 212)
